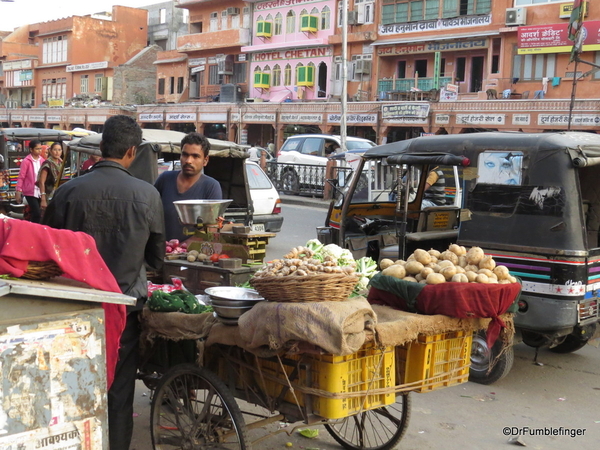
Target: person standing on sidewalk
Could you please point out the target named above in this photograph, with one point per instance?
(125, 217)
(26, 183)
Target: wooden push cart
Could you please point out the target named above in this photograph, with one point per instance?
(362, 399)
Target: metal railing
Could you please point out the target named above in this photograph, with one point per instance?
(304, 179)
(405, 84)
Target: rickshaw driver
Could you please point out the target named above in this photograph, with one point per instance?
(189, 183)
(435, 189)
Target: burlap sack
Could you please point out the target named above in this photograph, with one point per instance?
(395, 327)
(339, 328)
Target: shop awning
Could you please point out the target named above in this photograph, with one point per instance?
(172, 60)
(278, 97)
(437, 38)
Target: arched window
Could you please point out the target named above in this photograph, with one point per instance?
(278, 24)
(287, 75)
(325, 18)
(290, 22)
(276, 75)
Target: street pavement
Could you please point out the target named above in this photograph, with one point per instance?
(315, 202)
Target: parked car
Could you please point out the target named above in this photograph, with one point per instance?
(265, 199)
(312, 148)
(304, 151)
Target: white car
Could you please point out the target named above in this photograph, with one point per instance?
(265, 200)
(311, 150)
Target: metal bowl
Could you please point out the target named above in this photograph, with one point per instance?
(193, 212)
(233, 293)
(234, 303)
(230, 312)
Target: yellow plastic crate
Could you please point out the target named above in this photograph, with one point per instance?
(435, 361)
(369, 368)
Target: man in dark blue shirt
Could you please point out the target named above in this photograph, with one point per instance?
(189, 183)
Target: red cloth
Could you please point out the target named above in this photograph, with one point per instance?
(76, 254)
(462, 300)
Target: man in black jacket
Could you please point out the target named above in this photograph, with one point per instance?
(125, 216)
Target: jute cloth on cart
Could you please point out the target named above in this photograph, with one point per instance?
(270, 328)
(395, 327)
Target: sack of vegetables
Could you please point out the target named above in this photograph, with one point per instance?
(455, 283)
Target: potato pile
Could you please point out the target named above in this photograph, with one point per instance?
(195, 255)
(453, 265)
(300, 262)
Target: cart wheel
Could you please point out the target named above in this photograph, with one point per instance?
(481, 355)
(377, 429)
(193, 410)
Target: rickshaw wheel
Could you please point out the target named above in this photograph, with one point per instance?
(482, 356)
(377, 429)
(192, 409)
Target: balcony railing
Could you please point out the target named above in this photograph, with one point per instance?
(406, 84)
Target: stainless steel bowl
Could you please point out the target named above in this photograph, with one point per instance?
(230, 312)
(233, 293)
(234, 303)
(193, 212)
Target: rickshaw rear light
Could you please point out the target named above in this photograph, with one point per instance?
(277, 207)
(523, 306)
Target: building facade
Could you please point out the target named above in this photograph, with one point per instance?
(58, 65)
(166, 23)
(260, 71)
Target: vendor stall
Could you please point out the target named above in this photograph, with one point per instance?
(308, 347)
(53, 373)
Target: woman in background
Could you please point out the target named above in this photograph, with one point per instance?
(49, 173)
(26, 182)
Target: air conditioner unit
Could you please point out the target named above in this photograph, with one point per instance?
(363, 66)
(352, 17)
(516, 16)
(233, 11)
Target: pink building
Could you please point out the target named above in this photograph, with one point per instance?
(290, 55)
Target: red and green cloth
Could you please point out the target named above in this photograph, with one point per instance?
(461, 300)
(76, 254)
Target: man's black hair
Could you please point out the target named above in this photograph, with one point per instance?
(119, 134)
(34, 143)
(197, 139)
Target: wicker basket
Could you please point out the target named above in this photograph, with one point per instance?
(332, 287)
(42, 270)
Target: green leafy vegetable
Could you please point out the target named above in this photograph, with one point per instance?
(176, 301)
(309, 432)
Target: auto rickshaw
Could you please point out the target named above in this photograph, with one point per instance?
(532, 201)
